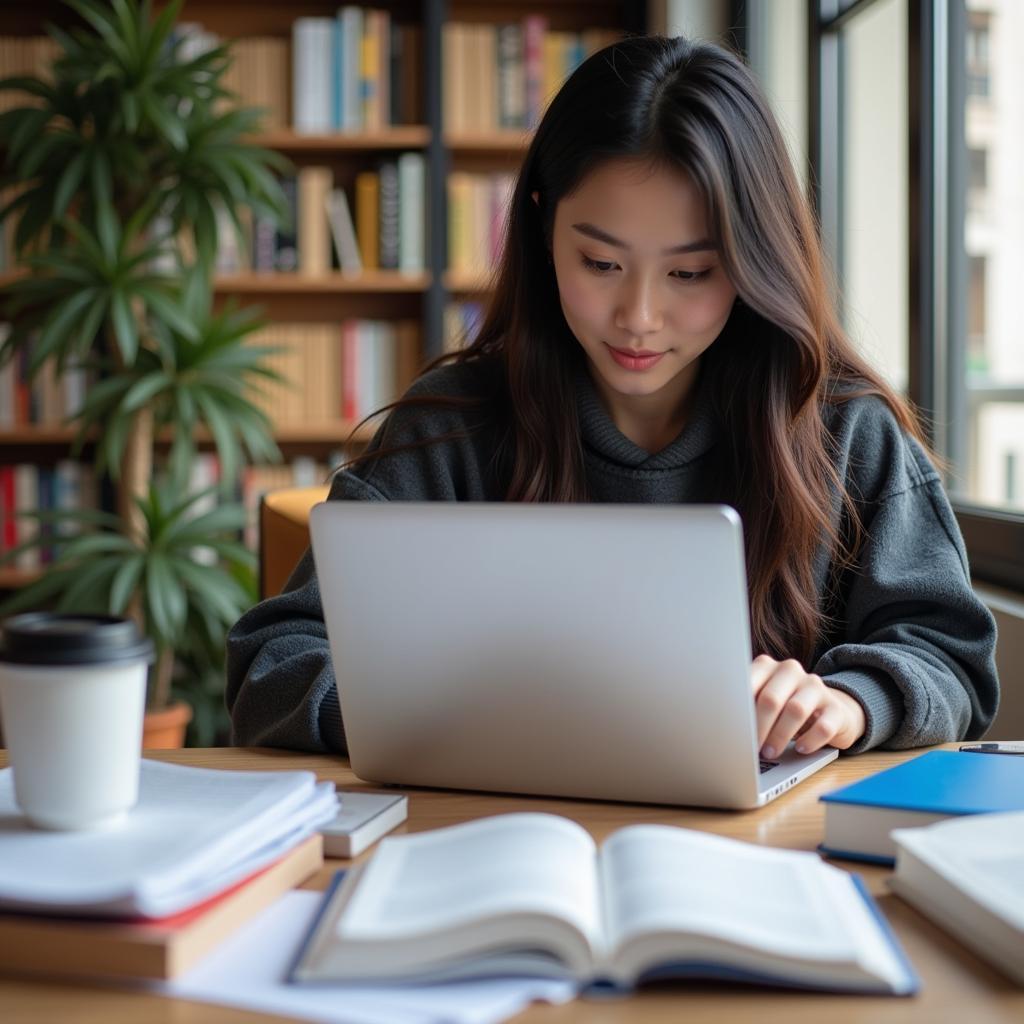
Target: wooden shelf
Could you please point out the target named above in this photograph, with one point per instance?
(381, 281)
(507, 141)
(461, 281)
(37, 435)
(11, 579)
(338, 432)
(400, 137)
(331, 432)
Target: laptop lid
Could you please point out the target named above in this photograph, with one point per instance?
(595, 651)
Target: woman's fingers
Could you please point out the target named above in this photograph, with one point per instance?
(804, 702)
(791, 704)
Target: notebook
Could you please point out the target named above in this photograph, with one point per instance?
(597, 651)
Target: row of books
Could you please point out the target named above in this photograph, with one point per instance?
(477, 214)
(329, 372)
(255, 481)
(71, 485)
(257, 76)
(19, 55)
(45, 401)
(24, 55)
(504, 76)
(387, 232)
(358, 71)
(332, 372)
(24, 487)
(363, 71)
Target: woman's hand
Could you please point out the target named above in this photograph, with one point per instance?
(793, 703)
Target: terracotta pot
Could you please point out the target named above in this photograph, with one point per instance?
(165, 729)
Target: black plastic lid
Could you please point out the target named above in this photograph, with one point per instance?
(48, 638)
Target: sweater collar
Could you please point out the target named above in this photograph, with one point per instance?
(605, 439)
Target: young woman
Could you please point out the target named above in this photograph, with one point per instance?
(661, 331)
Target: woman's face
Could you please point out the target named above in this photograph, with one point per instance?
(640, 283)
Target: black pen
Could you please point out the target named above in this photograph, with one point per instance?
(992, 747)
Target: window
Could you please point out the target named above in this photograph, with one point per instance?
(977, 50)
(977, 169)
(977, 363)
(873, 219)
(990, 440)
(925, 100)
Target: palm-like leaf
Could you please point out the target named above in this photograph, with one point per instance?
(117, 169)
(101, 566)
(190, 382)
(126, 108)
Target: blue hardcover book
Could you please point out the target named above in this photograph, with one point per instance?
(937, 785)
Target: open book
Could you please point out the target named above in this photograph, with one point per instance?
(531, 894)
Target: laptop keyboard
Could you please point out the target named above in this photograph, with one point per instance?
(767, 766)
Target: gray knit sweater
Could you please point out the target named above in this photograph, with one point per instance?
(911, 641)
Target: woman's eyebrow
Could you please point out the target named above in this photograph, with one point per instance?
(602, 236)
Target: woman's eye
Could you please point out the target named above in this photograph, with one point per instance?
(598, 266)
(691, 275)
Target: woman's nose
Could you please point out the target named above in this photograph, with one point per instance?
(638, 311)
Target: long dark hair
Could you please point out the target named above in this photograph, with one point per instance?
(781, 359)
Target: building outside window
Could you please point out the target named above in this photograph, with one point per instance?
(873, 184)
(993, 379)
(917, 145)
(977, 43)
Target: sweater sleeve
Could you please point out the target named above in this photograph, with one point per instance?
(917, 645)
(281, 689)
(280, 681)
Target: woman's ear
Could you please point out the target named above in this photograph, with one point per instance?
(535, 196)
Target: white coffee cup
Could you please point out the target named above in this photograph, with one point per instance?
(72, 700)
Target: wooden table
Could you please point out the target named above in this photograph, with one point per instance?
(956, 986)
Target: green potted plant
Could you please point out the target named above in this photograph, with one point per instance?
(120, 163)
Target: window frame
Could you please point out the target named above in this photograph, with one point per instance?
(937, 257)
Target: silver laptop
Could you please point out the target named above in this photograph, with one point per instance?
(597, 651)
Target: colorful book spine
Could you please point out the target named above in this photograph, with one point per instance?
(389, 210)
(286, 249)
(368, 218)
(412, 186)
(312, 74)
(534, 28)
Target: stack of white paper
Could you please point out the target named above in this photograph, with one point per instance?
(250, 970)
(193, 833)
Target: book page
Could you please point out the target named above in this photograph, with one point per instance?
(979, 853)
(509, 864)
(664, 879)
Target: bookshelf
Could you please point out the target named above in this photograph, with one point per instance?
(378, 282)
(446, 145)
(397, 137)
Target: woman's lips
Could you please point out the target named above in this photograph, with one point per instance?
(635, 359)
